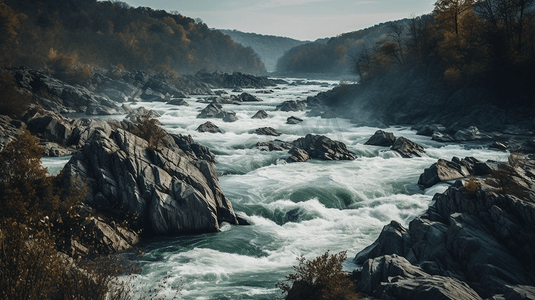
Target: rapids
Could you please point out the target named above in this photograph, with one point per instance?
(294, 209)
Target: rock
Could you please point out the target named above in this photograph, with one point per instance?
(193, 149)
(55, 150)
(442, 137)
(444, 170)
(469, 134)
(99, 238)
(237, 90)
(229, 116)
(208, 127)
(322, 147)
(293, 120)
(407, 148)
(180, 102)
(291, 106)
(149, 95)
(381, 138)
(498, 146)
(276, 145)
(48, 126)
(210, 111)
(246, 97)
(261, 114)
(484, 239)
(429, 130)
(235, 80)
(141, 114)
(8, 130)
(168, 191)
(297, 155)
(267, 131)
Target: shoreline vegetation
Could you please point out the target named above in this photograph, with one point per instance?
(462, 73)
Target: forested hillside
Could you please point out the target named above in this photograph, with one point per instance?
(67, 34)
(268, 47)
(333, 57)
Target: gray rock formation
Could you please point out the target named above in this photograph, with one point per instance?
(178, 102)
(166, 190)
(211, 111)
(261, 114)
(228, 116)
(293, 120)
(322, 147)
(297, 155)
(267, 131)
(276, 145)
(429, 130)
(292, 106)
(444, 170)
(246, 97)
(407, 148)
(478, 241)
(208, 127)
(381, 138)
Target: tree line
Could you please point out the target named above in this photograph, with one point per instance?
(71, 34)
(487, 43)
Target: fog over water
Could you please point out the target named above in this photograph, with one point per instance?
(294, 209)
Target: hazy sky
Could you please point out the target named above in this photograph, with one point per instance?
(299, 19)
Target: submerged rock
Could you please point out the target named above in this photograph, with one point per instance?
(381, 138)
(293, 120)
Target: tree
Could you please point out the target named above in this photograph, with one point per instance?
(450, 12)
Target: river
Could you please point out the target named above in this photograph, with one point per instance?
(294, 209)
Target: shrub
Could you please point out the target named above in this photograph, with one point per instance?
(13, 102)
(150, 131)
(321, 278)
(471, 186)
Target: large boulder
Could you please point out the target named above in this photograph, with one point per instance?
(292, 106)
(211, 111)
(293, 120)
(428, 130)
(297, 155)
(246, 97)
(163, 190)
(208, 127)
(444, 170)
(381, 138)
(407, 148)
(48, 126)
(322, 147)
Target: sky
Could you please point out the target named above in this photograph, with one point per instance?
(298, 19)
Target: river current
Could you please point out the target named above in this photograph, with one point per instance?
(294, 209)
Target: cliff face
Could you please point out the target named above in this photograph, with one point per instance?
(468, 245)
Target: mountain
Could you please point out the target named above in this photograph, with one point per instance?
(332, 56)
(69, 34)
(268, 47)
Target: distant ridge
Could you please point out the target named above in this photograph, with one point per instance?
(268, 47)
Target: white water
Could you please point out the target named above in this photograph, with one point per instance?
(295, 209)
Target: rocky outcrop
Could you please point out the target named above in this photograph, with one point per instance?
(429, 130)
(297, 155)
(228, 116)
(234, 80)
(169, 190)
(381, 138)
(322, 147)
(211, 111)
(407, 148)
(140, 114)
(291, 106)
(267, 131)
(444, 170)
(293, 120)
(246, 97)
(208, 127)
(261, 114)
(472, 243)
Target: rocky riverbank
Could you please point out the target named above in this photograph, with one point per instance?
(475, 241)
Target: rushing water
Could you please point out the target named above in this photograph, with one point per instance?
(294, 209)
